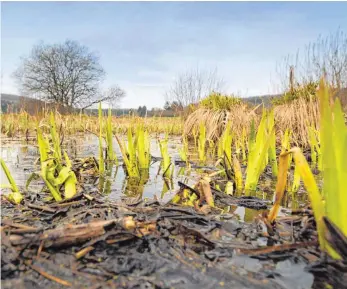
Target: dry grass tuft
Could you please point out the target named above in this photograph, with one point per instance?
(298, 116)
(216, 120)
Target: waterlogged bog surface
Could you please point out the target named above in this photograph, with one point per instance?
(174, 246)
(22, 159)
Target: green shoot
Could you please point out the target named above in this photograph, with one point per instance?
(109, 137)
(202, 143)
(101, 149)
(143, 148)
(166, 163)
(238, 173)
(272, 148)
(15, 197)
(55, 139)
(184, 150)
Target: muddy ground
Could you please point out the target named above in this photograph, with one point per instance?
(88, 242)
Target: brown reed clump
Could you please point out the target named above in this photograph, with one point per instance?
(297, 116)
(215, 121)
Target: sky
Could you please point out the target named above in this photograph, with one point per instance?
(145, 46)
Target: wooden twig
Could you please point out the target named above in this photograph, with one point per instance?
(72, 234)
(277, 248)
(84, 252)
(68, 204)
(43, 208)
(25, 231)
(40, 249)
(17, 225)
(49, 276)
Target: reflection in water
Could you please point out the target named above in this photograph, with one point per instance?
(106, 180)
(245, 214)
(134, 186)
(167, 186)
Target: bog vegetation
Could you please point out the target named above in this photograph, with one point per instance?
(245, 144)
(229, 150)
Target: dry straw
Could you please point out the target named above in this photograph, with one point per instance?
(215, 121)
(298, 116)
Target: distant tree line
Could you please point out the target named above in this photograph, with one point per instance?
(33, 106)
(154, 112)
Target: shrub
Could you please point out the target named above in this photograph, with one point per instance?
(219, 101)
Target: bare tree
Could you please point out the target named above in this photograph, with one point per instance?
(64, 73)
(329, 57)
(192, 86)
(326, 56)
(113, 96)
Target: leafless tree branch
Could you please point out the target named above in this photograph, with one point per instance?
(192, 86)
(326, 56)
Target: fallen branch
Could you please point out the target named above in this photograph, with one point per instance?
(277, 248)
(49, 276)
(72, 234)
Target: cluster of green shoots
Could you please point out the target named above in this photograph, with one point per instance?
(262, 150)
(331, 202)
(136, 155)
(256, 150)
(56, 167)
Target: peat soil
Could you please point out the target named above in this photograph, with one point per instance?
(90, 242)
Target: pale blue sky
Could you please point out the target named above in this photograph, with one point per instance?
(143, 46)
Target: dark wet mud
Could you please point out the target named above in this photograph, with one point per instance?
(87, 242)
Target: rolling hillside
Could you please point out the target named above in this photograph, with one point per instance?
(31, 105)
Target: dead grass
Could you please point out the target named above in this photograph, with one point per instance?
(21, 123)
(298, 116)
(216, 120)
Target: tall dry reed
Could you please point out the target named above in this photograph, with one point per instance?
(297, 116)
(215, 121)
